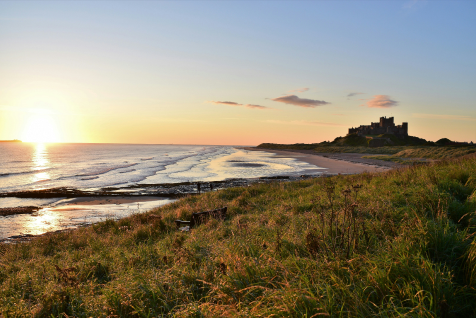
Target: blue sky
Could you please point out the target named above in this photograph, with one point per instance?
(158, 71)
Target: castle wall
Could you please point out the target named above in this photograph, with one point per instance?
(385, 125)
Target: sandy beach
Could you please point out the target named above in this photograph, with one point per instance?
(83, 209)
(334, 163)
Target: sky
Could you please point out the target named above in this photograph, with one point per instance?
(234, 72)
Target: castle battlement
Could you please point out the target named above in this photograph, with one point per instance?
(385, 126)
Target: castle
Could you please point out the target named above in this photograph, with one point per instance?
(385, 126)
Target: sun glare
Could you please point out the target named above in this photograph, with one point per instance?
(41, 128)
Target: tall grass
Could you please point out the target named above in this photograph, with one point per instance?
(394, 244)
(437, 152)
(398, 152)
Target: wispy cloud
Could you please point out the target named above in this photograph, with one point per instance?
(444, 117)
(250, 106)
(353, 94)
(295, 100)
(225, 103)
(313, 123)
(381, 101)
(299, 90)
(255, 106)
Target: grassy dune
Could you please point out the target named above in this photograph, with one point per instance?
(410, 155)
(393, 244)
(436, 152)
(361, 149)
(330, 148)
(430, 152)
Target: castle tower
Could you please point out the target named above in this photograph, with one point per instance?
(405, 128)
(385, 122)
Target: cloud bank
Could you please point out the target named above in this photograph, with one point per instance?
(250, 106)
(381, 101)
(295, 100)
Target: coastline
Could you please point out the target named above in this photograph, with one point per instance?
(71, 213)
(76, 207)
(327, 164)
(339, 163)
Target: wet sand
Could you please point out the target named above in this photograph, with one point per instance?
(338, 164)
(72, 213)
(105, 200)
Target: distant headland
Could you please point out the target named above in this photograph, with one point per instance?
(376, 135)
(10, 141)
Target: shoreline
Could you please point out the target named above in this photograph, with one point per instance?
(327, 164)
(72, 213)
(334, 163)
(132, 194)
(104, 200)
(94, 203)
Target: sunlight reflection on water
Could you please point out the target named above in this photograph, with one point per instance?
(50, 219)
(41, 162)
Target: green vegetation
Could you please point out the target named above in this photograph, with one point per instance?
(396, 159)
(443, 141)
(437, 152)
(394, 244)
(412, 155)
(403, 151)
(361, 149)
(354, 143)
(350, 140)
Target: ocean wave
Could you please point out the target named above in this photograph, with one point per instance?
(25, 172)
(42, 180)
(125, 166)
(105, 170)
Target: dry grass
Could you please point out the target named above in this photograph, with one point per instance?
(393, 244)
(421, 154)
(436, 152)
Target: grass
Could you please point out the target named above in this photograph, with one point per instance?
(396, 159)
(354, 143)
(393, 244)
(436, 152)
(361, 149)
(400, 154)
(419, 154)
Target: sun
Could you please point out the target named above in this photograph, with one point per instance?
(41, 128)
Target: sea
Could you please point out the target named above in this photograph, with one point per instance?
(89, 167)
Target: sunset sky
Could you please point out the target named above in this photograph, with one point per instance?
(234, 72)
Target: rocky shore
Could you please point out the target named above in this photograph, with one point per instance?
(18, 210)
(138, 191)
